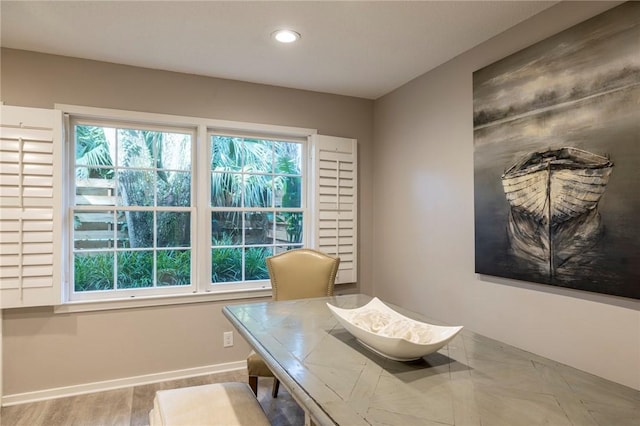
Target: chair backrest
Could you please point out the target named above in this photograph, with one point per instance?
(302, 273)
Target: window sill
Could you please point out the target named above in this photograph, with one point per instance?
(141, 302)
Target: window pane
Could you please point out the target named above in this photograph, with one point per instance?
(94, 230)
(174, 229)
(136, 148)
(96, 191)
(291, 191)
(123, 220)
(288, 158)
(93, 271)
(289, 227)
(174, 151)
(95, 149)
(226, 265)
(226, 189)
(255, 264)
(174, 267)
(226, 228)
(136, 187)
(135, 269)
(174, 189)
(281, 249)
(258, 228)
(258, 191)
(226, 153)
(258, 156)
(138, 229)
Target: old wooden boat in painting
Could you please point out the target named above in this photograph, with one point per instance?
(553, 197)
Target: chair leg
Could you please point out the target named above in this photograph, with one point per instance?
(253, 384)
(276, 387)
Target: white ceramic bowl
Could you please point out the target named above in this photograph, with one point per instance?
(390, 334)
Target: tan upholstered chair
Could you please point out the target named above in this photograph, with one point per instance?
(294, 274)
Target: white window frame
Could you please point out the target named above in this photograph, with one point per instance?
(202, 289)
(307, 227)
(70, 195)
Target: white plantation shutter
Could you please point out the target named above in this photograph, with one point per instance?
(30, 206)
(335, 192)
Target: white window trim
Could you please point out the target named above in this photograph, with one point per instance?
(185, 121)
(164, 300)
(203, 126)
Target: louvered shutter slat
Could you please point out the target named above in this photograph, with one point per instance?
(38, 169)
(30, 221)
(32, 248)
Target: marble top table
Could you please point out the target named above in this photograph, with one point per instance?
(472, 381)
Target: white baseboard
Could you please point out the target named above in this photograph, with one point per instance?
(41, 395)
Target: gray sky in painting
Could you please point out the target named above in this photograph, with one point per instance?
(569, 59)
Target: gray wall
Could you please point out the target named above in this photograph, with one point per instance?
(424, 225)
(43, 350)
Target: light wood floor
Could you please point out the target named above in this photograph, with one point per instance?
(130, 406)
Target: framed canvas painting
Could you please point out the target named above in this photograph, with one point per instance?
(557, 159)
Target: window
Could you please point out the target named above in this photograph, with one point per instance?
(256, 204)
(132, 207)
(160, 205)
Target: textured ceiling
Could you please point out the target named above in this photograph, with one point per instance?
(355, 48)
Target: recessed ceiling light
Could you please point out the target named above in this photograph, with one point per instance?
(285, 36)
